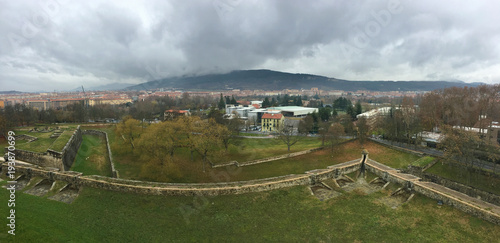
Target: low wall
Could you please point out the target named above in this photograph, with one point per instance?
(108, 148)
(47, 159)
(189, 189)
(413, 183)
(26, 137)
(269, 159)
(457, 203)
(468, 190)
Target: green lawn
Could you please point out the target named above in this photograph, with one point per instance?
(41, 145)
(247, 149)
(287, 215)
(424, 161)
(130, 165)
(61, 141)
(92, 157)
(486, 183)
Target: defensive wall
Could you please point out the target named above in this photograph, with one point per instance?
(53, 159)
(451, 197)
(188, 189)
(461, 201)
(471, 191)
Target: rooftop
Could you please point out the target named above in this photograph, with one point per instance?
(272, 116)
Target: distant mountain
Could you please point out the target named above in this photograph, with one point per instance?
(11, 92)
(112, 86)
(273, 80)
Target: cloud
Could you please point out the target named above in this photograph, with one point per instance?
(67, 44)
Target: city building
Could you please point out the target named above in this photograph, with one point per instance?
(172, 114)
(271, 122)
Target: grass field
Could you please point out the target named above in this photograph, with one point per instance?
(483, 182)
(92, 157)
(424, 161)
(61, 141)
(41, 145)
(130, 166)
(288, 215)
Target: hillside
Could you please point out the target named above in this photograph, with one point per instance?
(273, 80)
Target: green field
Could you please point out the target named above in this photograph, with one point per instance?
(61, 141)
(41, 145)
(92, 157)
(424, 161)
(483, 182)
(287, 215)
(130, 166)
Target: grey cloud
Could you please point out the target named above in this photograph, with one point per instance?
(141, 41)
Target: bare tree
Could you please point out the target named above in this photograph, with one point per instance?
(287, 134)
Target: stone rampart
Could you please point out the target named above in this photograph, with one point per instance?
(468, 190)
(71, 149)
(46, 159)
(464, 206)
(189, 189)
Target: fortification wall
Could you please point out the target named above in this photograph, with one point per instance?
(46, 159)
(457, 203)
(71, 148)
(468, 190)
(188, 189)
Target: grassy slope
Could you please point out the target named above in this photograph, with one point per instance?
(91, 158)
(486, 183)
(287, 215)
(61, 141)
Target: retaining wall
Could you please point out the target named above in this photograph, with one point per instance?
(457, 203)
(108, 148)
(47, 159)
(189, 189)
(71, 148)
(471, 191)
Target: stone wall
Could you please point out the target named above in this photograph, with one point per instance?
(108, 148)
(414, 183)
(46, 159)
(189, 189)
(26, 137)
(468, 190)
(457, 203)
(71, 149)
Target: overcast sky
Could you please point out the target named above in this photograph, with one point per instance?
(60, 45)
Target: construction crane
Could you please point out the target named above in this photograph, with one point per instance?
(85, 99)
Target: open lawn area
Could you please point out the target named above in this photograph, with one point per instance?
(130, 165)
(92, 157)
(483, 182)
(44, 141)
(62, 140)
(287, 215)
(41, 145)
